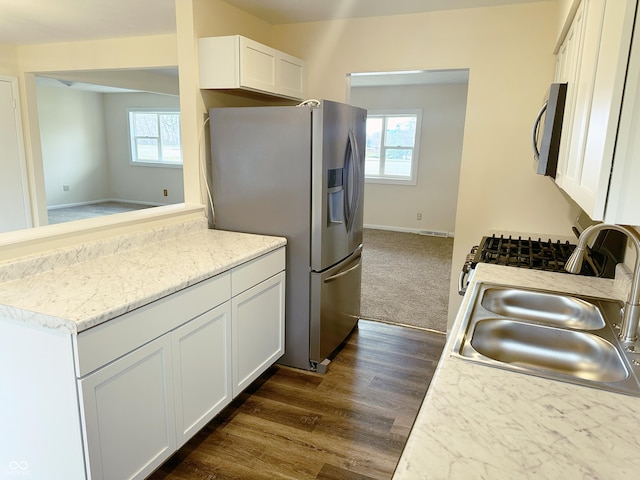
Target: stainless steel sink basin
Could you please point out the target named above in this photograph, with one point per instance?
(567, 352)
(548, 308)
(563, 337)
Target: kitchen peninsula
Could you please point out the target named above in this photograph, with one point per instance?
(480, 422)
(114, 353)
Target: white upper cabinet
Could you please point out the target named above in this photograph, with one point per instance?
(593, 60)
(237, 62)
(624, 191)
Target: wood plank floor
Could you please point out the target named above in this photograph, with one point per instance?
(350, 423)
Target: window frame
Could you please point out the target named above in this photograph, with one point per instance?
(415, 157)
(133, 159)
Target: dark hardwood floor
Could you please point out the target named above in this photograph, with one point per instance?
(350, 423)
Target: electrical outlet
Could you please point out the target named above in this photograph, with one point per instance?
(419, 216)
(165, 192)
(65, 188)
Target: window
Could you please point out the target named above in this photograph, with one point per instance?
(393, 138)
(155, 137)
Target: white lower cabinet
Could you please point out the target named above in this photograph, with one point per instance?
(128, 409)
(138, 408)
(201, 359)
(258, 330)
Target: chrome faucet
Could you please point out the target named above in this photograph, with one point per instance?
(631, 316)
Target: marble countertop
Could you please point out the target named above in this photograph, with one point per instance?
(78, 288)
(481, 422)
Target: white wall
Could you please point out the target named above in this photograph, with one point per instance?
(85, 145)
(133, 182)
(435, 194)
(156, 51)
(8, 60)
(509, 53)
(194, 19)
(72, 134)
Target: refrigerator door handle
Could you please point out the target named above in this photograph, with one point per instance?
(347, 184)
(352, 186)
(343, 273)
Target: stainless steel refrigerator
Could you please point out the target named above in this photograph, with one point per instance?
(298, 172)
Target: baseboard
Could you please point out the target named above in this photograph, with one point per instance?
(432, 233)
(93, 202)
(137, 202)
(77, 204)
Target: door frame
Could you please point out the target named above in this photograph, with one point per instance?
(13, 81)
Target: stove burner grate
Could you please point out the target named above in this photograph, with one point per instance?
(525, 253)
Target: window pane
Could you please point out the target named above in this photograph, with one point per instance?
(171, 153)
(372, 167)
(146, 124)
(170, 129)
(147, 149)
(170, 135)
(155, 137)
(401, 131)
(398, 162)
(373, 145)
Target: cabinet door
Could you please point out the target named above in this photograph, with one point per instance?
(291, 79)
(257, 330)
(257, 65)
(202, 370)
(567, 65)
(582, 58)
(624, 194)
(129, 417)
(595, 97)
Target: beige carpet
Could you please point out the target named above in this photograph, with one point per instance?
(91, 210)
(405, 278)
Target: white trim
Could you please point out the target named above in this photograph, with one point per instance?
(419, 231)
(13, 81)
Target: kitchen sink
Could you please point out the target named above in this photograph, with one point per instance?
(568, 352)
(548, 308)
(559, 336)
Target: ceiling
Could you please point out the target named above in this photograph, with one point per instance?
(415, 77)
(48, 21)
(279, 12)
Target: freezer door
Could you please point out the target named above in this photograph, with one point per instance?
(339, 132)
(335, 305)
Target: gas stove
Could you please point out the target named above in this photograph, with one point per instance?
(526, 253)
(539, 254)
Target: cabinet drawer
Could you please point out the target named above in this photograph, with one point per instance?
(257, 270)
(106, 342)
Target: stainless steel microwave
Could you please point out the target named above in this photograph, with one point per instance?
(547, 130)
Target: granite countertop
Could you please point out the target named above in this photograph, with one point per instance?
(481, 422)
(80, 287)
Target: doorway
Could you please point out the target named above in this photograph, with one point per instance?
(425, 209)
